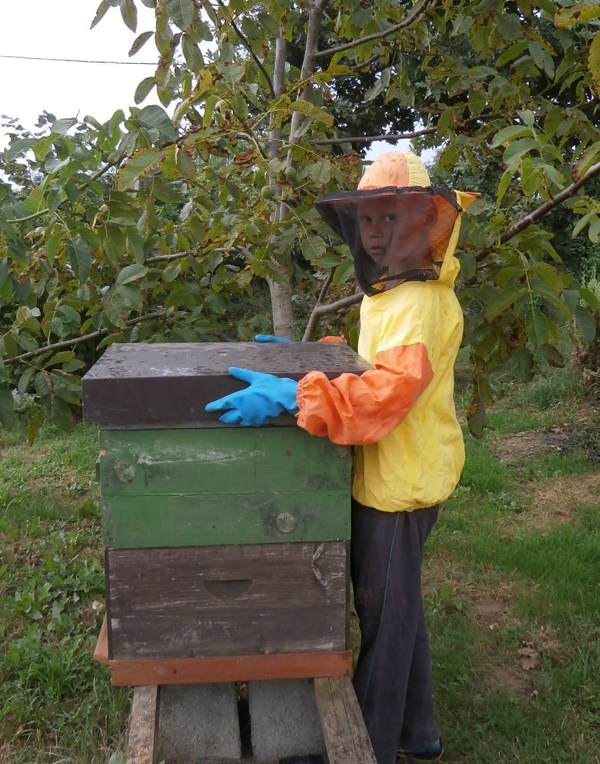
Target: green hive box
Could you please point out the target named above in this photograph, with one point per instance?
(220, 540)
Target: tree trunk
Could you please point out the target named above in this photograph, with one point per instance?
(281, 306)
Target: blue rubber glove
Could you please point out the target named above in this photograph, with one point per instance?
(270, 338)
(267, 397)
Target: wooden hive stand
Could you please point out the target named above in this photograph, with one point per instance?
(226, 559)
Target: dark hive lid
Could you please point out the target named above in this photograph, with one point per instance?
(168, 385)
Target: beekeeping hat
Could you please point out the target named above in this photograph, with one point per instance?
(398, 226)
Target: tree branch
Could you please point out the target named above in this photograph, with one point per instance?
(369, 138)
(248, 47)
(542, 210)
(82, 338)
(419, 11)
(85, 185)
(323, 310)
(315, 14)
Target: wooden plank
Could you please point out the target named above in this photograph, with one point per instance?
(239, 668)
(101, 650)
(143, 726)
(167, 384)
(227, 600)
(344, 731)
(244, 460)
(242, 518)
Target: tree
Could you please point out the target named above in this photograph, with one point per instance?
(159, 224)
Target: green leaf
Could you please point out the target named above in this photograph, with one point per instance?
(549, 275)
(590, 298)
(343, 272)
(512, 52)
(505, 182)
(59, 358)
(516, 150)
(155, 117)
(476, 416)
(185, 164)
(129, 13)
(586, 323)
(528, 117)
(540, 329)
(580, 13)
(583, 222)
(62, 126)
(522, 359)
(594, 63)
(131, 273)
(509, 26)
(542, 58)
(135, 245)
(143, 89)
(505, 275)
(136, 166)
(191, 53)
(19, 147)
(477, 100)
(80, 257)
(468, 265)
(139, 42)
(102, 8)
(503, 300)
(7, 413)
(552, 356)
(309, 109)
(119, 301)
(182, 13)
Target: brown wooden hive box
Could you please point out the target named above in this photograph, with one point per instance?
(221, 541)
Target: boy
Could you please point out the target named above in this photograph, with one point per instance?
(400, 416)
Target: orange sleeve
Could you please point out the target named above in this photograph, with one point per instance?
(356, 410)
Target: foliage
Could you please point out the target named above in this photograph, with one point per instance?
(164, 225)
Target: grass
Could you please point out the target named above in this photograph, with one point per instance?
(511, 581)
(56, 704)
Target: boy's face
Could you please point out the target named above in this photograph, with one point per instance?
(394, 230)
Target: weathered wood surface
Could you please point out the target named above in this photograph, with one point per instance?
(250, 460)
(101, 649)
(143, 726)
(207, 487)
(170, 384)
(227, 600)
(153, 521)
(343, 726)
(238, 668)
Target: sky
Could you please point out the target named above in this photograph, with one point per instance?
(60, 29)
(35, 32)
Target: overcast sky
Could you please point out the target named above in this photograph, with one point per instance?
(34, 32)
(60, 29)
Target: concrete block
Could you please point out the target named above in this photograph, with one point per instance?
(198, 722)
(284, 719)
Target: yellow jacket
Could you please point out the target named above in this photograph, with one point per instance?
(400, 414)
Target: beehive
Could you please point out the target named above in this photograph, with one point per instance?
(220, 540)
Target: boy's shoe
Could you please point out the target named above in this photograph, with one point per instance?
(431, 753)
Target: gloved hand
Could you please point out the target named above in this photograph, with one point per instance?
(268, 396)
(270, 338)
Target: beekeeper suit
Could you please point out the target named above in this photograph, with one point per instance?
(400, 416)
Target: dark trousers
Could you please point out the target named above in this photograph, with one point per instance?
(393, 674)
